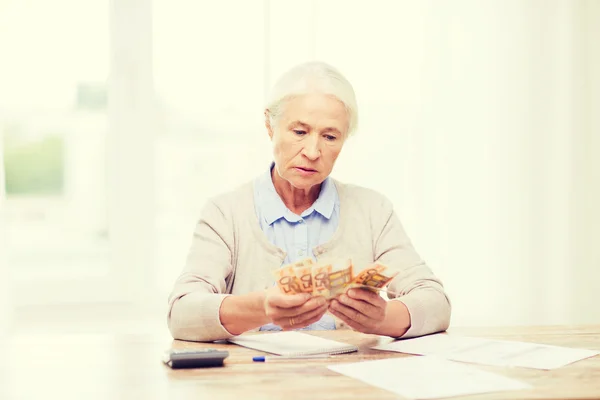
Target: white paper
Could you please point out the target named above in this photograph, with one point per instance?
(427, 377)
(490, 352)
(292, 343)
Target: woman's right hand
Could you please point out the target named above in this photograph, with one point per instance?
(293, 311)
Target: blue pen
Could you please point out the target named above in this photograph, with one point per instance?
(284, 358)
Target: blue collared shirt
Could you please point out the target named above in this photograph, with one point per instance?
(296, 234)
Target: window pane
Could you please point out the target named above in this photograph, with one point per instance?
(53, 127)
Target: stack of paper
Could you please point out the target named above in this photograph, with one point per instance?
(490, 352)
(292, 344)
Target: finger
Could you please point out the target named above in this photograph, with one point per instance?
(368, 296)
(352, 324)
(314, 319)
(349, 312)
(304, 319)
(310, 305)
(365, 308)
(300, 321)
(288, 300)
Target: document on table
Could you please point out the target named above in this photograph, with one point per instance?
(292, 343)
(427, 377)
(490, 352)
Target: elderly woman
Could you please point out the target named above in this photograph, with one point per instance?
(293, 211)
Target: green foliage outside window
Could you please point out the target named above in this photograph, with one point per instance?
(33, 167)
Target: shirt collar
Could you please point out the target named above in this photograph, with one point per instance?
(273, 208)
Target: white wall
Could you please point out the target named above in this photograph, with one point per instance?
(474, 138)
(584, 272)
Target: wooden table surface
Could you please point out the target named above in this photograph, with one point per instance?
(129, 367)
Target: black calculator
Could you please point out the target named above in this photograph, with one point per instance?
(195, 358)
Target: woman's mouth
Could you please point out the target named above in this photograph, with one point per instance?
(305, 171)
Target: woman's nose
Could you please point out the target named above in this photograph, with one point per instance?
(311, 149)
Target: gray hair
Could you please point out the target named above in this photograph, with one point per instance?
(313, 77)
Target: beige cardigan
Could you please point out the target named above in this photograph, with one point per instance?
(231, 255)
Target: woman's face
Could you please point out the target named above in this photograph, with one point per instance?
(307, 138)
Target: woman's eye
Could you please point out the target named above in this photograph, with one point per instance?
(330, 138)
(299, 132)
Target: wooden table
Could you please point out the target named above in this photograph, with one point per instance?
(130, 367)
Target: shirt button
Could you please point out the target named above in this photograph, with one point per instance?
(301, 221)
(300, 252)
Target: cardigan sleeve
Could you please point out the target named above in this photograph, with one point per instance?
(200, 289)
(416, 285)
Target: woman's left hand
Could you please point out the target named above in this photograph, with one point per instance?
(361, 309)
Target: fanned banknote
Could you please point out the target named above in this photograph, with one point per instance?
(303, 272)
(287, 281)
(373, 278)
(330, 278)
(320, 280)
(340, 276)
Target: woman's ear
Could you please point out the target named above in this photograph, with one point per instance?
(268, 123)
